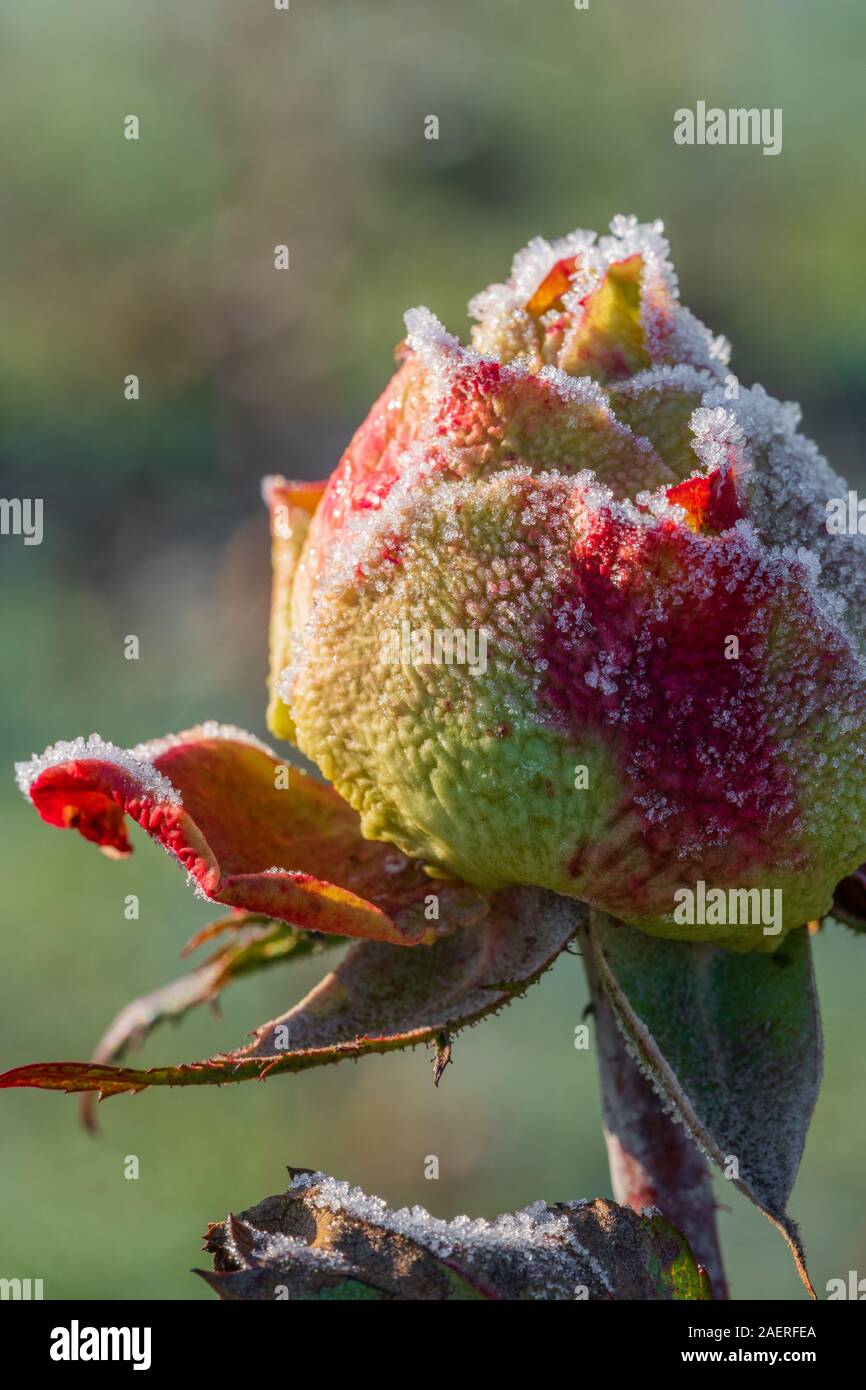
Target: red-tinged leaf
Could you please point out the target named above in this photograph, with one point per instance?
(250, 832)
(849, 900)
(733, 1042)
(377, 1000)
(257, 943)
(323, 1239)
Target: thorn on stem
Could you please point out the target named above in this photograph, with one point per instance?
(443, 1056)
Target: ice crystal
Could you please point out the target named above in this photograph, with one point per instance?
(536, 1237)
(154, 748)
(137, 761)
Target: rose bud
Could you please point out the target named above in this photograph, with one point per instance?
(568, 613)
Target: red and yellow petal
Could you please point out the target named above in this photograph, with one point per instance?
(251, 832)
(291, 506)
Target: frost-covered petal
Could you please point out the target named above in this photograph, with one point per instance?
(291, 507)
(659, 405)
(794, 497)
(250, 832)
(605, 309)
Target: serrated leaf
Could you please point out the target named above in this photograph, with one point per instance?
(256, 943)
(733, 1042)
(325, 1240)
(377, 1000)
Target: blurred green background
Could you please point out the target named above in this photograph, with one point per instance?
(257, 128)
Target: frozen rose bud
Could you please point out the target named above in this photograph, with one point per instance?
(568, 613)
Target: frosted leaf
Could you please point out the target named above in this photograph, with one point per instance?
(486, 954)
(576, 1250)
(756, 1017)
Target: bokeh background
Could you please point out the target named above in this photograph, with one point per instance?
(306, 128)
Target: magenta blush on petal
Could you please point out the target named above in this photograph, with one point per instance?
(638, 649)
